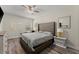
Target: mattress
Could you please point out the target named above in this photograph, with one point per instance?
(36, 38)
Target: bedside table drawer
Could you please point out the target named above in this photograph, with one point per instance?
(60, 41)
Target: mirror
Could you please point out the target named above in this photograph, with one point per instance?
(65, 21)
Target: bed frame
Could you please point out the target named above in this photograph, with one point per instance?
(42, 46)
(38, 48)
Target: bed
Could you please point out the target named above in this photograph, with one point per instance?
(35, 42)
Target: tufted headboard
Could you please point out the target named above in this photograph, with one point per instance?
(50, 27)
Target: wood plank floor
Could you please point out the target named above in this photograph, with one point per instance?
(59, 50)
(53, 49)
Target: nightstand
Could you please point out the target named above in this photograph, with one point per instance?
(60, 41)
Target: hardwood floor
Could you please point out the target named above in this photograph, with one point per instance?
(53, 49)
(60, 50)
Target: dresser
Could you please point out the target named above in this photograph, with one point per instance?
(1, 42)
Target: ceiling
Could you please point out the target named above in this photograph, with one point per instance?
(21, 10)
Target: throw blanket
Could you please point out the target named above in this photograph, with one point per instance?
(36, 38)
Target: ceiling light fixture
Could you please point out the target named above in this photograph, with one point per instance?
(32, 8)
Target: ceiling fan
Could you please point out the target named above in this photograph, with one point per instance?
(32, 9)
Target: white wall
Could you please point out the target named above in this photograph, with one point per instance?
(74, 31)
(50, 13)
(13, 23)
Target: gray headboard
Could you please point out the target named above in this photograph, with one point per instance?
(51, 27)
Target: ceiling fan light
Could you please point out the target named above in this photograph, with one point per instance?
(32, 8)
